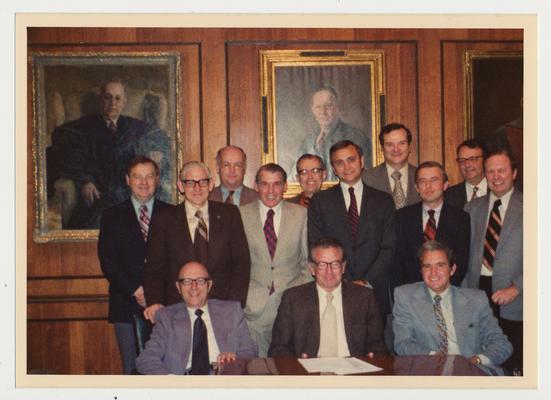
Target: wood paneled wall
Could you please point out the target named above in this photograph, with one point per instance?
(67, 295)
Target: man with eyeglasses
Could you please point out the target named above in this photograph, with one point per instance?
(231, 165)
(328, 317)
(196, 230)
(277, 236)
(310, 174)
(196, 335)
(470, 158)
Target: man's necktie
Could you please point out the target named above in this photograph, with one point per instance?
(144, 221)
(328, 330)
(398, 192)
(492, 236)
(229, 199)
(112, 127)
(440, 325)
(473, 196)
(201, 239)
(200, 364)
(269, 233)
(430, 227)
(353, 217)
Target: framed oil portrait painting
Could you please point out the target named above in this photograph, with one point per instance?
(93, 112)
(313, 99)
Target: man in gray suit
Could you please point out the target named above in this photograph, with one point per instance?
(231, 165)
(435, 317)
(495, 263)
(175, 345)
(395, 176)
(276, 233)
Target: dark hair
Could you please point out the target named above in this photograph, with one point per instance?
(431, 164)
(393, 127)
(326, 88)
(141, 160)
(221, 150)
(112, 80)
(309, 156)
(273, 168)
(341, 144)
(434, 245)
(325, 243)
(502, 152)
(472, 144)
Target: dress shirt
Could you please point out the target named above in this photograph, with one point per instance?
(192, 220)
(337, 303)
(482, 189)
(404, 171)
(502, 211)
(277, 215)
(236, 194)
(137, 205)
(214, 351)
(437, 211)
(108, 121)
(358, 192)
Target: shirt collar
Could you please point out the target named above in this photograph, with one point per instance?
(225, 191)
(443, 295)
(137, 204)
(191, 209)
(264, 209)
(403, 171)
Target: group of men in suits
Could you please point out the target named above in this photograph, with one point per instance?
(257, 254)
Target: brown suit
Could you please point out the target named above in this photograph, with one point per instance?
(248, 195)
(297, 326)
(170, 247)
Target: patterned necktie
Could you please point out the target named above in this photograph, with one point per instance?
(304, 201)
(144, 221)
(440, 326)
(473, 196)
(112, 127)
(201, 239)
(328, 330)
(353, 217)
(269, 233)
(229, 199)
(398, 192)
(492, 236)
(430, 227)
(200, 364)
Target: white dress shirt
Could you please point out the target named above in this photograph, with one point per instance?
(358, 193)
(277, 215)
(482, 189)
(337, 303)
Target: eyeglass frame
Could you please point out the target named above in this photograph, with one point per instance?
(335, 265)
(201, 182)
(470, 159)
(314, 171)
(182, 281)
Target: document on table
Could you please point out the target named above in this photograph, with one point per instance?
(337, 365)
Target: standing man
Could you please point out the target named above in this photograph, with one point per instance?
(470, 158)
(327, 318)
(124, 232)
(395, 176)
(231, 165)
(310, 174)
(361, 217)
(430, 219)
(435, 317)
(196, 230)
(277, 238)
(495, 263)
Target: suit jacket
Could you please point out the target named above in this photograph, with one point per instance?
(372, 255)
(453, 229)
(508, 265)
(297, 326)
(171, 247)
(377, 178)
(121, 252)
(289, 266)
(477, 330)
(248, 195)
(169, 348)
(456, 195)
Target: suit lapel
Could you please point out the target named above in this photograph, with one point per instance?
(311, 320)
(382, 176)
(285, 233)
(182, 325)
(426, 311)
(461, 318)
(341, 214)
(411, 192)
(219, 323)
(417, 227)
(254, 216)
(511, 222)
(133, 226)
(443, 221)
(348, 309)
(182, 228)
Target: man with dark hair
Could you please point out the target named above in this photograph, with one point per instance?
(430, 219)
(231, 165)
(361, 217)
(434, 317)
(310, 174)
(395, 176)
(470, 158)
(123, 235)
(328, 317)
(277, 240)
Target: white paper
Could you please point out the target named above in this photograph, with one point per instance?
(337, 365)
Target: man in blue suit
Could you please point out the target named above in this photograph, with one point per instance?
(435, 317)
(173, 347)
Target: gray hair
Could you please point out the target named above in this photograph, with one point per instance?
(194, 164)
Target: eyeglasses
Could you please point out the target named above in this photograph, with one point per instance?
(189, 281)
(335, 265)
(470, 159)
(190, 183)
(314, 171)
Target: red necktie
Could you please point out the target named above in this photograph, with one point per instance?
(144, 221)
(269, 233)
(430, 228)
(353, 217)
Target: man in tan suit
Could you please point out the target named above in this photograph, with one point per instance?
(276, 233)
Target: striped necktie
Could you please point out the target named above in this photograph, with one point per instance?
(430, 227)
(201, 239)
(492, 236)
(353, 217)
(398, 192)
(440, 325)
(144, 221)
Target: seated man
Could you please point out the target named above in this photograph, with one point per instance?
(328, 317)
(435, 317)
(189, 336)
